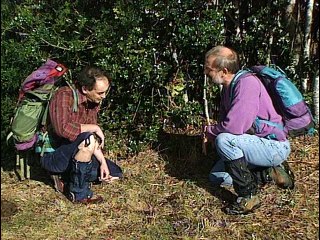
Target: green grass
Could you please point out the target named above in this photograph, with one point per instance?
(165, 195)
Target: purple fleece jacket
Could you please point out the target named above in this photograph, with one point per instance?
(250, 99)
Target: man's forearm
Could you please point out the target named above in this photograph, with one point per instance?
(99, 155)
(89, 127)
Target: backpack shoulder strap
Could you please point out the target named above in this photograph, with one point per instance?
(45, 113)
(75, 96)
(75, 102)
(235, 80)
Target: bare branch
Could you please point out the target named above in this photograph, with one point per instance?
(55, 46)
(64, 48)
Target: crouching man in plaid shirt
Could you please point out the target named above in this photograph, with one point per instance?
(77, 138)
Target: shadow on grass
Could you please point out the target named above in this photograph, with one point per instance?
(9, 163)
(185, 161)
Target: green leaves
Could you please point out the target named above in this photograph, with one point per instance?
(154, 52)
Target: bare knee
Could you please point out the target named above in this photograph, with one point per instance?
(86, 149)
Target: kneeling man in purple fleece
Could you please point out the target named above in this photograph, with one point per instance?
(250, 152)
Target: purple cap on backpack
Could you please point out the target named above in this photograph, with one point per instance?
(39, 76)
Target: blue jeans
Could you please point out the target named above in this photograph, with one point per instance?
(258, 152)
(60, 160)
(77, 175)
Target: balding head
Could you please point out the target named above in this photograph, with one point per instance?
(223, 57)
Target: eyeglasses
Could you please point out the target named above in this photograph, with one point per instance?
(207, 70)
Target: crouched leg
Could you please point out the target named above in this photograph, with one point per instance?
(244, 185)
(83, 170)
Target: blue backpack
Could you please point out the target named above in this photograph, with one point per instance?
(287, 100)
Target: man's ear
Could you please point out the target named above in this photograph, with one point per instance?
(84, 90)
(225, 71)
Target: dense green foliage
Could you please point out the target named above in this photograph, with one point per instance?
(154, 51)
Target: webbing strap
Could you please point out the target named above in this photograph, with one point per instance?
(258, 122)
(234, 81)
(9, 136)
(273, 124)
(43, 147)
(75, 97)
(45, 114)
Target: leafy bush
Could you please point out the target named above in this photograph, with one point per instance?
(153, 50)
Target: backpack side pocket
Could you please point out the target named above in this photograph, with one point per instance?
(26, 120)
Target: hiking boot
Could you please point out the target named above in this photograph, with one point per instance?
(97, 199)
(88, 200)
(243, 205)
(58, 183)
(282, 175)
(261, 175)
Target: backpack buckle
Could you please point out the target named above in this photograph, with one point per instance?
(59, 68)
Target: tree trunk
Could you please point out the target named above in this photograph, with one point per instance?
(307, 40)
(293, 18)
(290, 16)
(270, 43)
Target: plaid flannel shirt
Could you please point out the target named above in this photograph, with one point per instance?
(66, 123)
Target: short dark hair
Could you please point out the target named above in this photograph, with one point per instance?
(88, 76)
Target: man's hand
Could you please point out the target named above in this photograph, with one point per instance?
(207, 138)
(204, 140)
(101, 136)
(93, 128)
(205, 135)
(104, 172)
